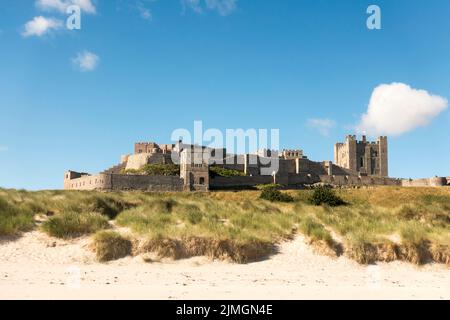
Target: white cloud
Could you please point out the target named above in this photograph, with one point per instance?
(223, 7)
(194, 5)
(86, 5)
(39, 26)
(86, 61)
(397, 108)
(61, 5)
(324, 126)
(144, 12)
(58, 5)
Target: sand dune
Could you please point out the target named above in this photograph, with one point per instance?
(38, 267)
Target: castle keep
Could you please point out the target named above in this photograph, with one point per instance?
(356, 163)
(366, 158)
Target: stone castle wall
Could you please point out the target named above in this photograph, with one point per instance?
(428, 182)
(359, 181)
(224, 182)
(294, 180)
(87, 182)
(137, 161)
(146, 183)
(117, 182)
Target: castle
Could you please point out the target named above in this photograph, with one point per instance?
(356, 163)
(367, 158)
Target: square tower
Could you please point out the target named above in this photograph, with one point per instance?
(193, 169)
(366, 158)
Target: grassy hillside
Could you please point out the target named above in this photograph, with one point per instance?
(377, 224)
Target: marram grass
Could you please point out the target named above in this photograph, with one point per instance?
(376, 224)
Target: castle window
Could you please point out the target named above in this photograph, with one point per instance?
(202, 181)
(362, 162)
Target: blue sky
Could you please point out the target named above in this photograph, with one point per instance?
(307, 67)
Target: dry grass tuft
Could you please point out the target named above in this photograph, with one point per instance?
(365, 250)
(416, 253)
(110, 245)
(223, 249)
(440, 253)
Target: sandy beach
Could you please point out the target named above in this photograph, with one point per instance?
(38, 267)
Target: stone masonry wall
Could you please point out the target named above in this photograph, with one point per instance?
(95, 182)
(430, 182)
(137, 161)
(223, 182)
(359, 181)
(125, 182)
(293, 180)
(146, 183)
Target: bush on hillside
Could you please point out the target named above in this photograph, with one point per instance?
(325, 195)
(274, 195)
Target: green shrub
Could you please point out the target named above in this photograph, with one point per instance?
(275, 195)
(14, 218)
(72, 224)
(215, 171)
(325, 195)
(110, 245)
